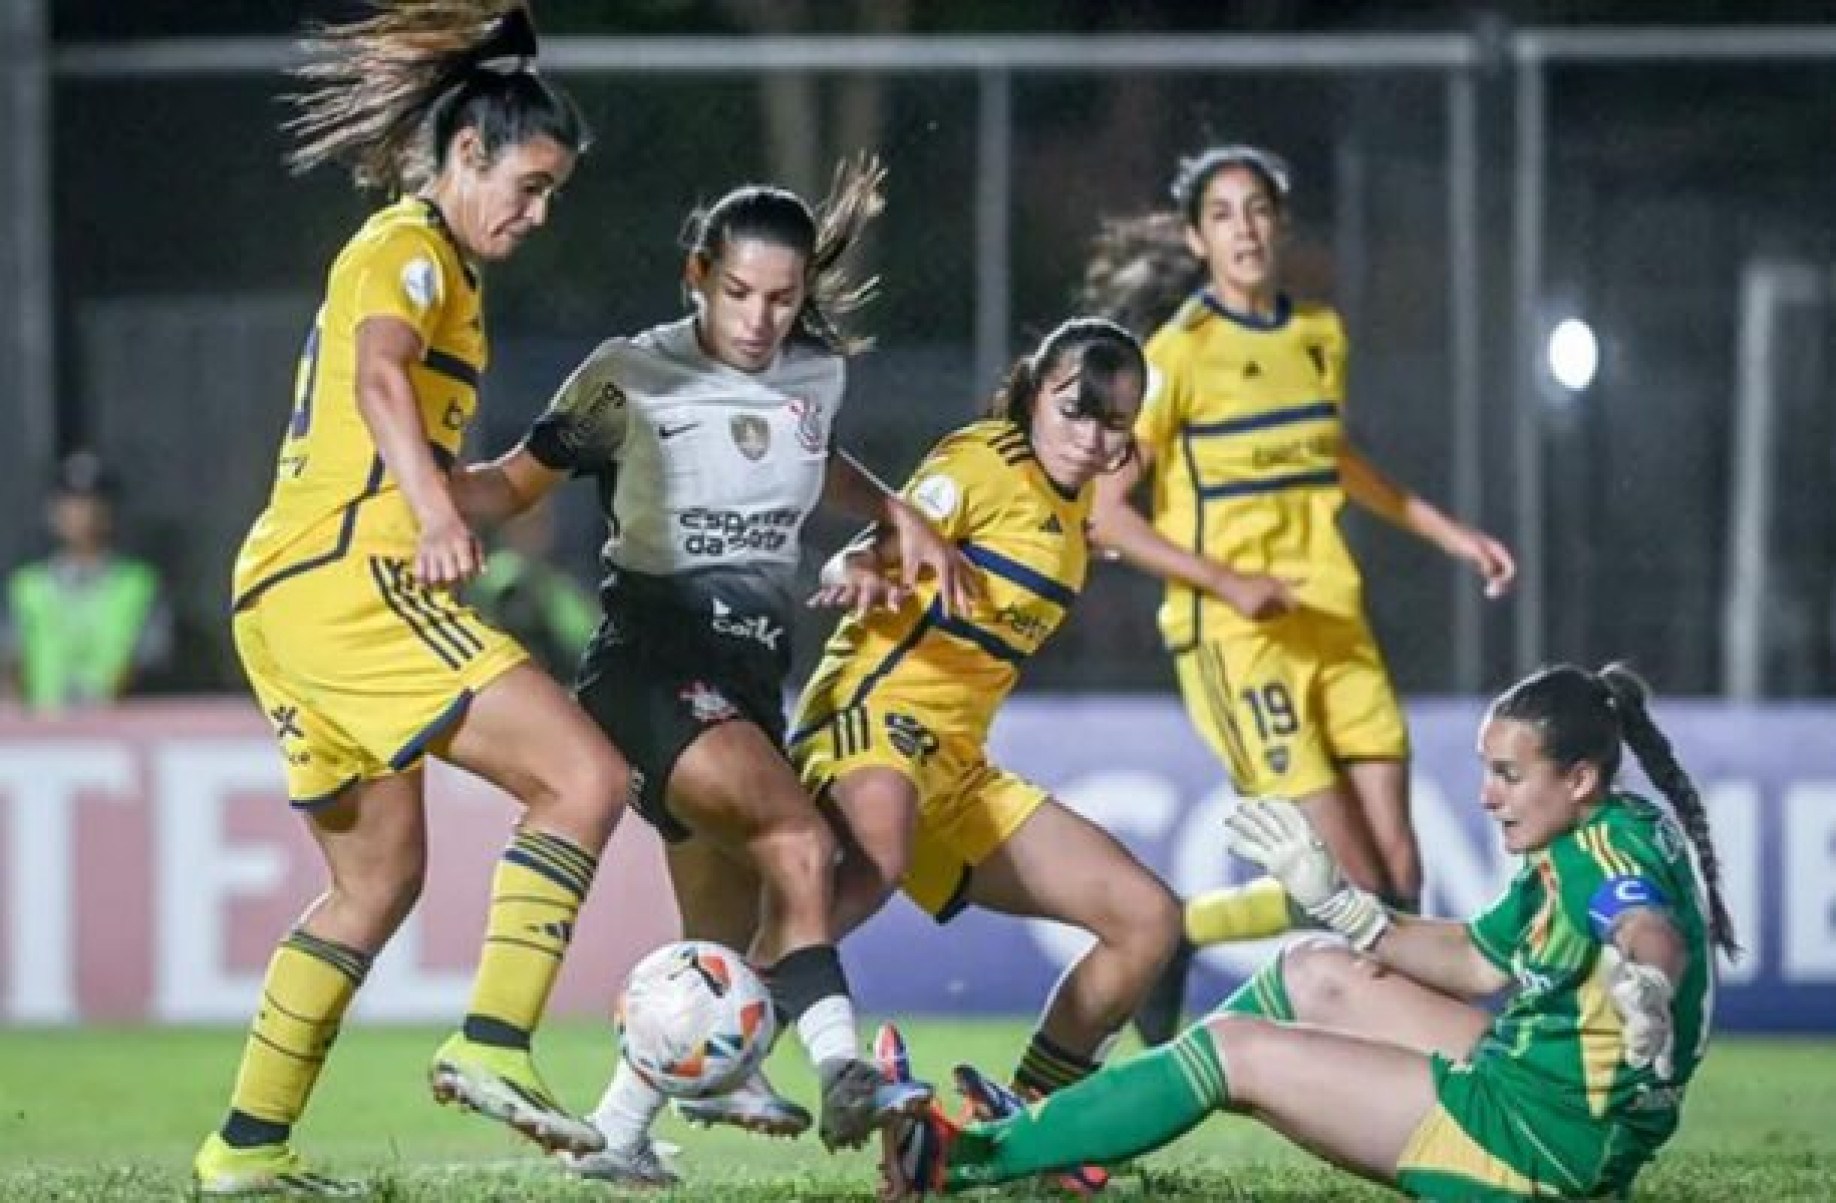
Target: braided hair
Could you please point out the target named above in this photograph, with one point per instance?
(1583, 716)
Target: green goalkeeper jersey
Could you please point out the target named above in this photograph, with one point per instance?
(1560, 1035)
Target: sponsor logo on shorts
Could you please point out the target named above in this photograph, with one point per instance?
(909, 737)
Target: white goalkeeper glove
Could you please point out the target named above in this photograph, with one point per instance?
(1277, 836)
(1641, 994)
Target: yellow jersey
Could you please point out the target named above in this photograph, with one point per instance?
(331, 492)
(1244, 420)
(985, 492)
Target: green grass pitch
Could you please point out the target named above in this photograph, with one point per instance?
(113, 1115)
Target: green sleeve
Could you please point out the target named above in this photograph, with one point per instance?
(1499, 929)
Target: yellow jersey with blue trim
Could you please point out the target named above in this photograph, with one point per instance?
(984, 490)
(331, 492)
(1244, 420)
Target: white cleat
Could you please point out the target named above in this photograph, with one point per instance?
(641, 1165)
(753, 1105)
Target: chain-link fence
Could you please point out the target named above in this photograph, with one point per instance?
(1455, 194)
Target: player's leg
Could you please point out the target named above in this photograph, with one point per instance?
(1254, 699)
(874, 811)
(524, 734)
(372, 836)
(1314, 1086)
(1321, 982)
(718, 895)
(1058, 865)
(733, 787)
(1370, 741)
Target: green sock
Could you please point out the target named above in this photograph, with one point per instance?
(1131, 1107)
(1264, 995)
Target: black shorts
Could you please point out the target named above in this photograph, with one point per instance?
(654, 692)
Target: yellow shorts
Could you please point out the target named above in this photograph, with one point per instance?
(1287, 703)
(967, 807)
(362, 671)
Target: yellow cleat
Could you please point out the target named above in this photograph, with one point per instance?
(502, 1084)
(223, 1171)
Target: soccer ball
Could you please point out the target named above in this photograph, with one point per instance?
(694, 1019)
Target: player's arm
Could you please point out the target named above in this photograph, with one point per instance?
(448, 553)
(922, 551)
(863, 575)
(1439, 953)
(506, 486)
(1118, 526)
(1435, 952)
(1366, 485)
(1645, 958)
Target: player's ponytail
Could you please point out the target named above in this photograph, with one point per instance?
(389, 92)
(1583, 716)
(1141, 269)
(1652, 749)
(823, 236)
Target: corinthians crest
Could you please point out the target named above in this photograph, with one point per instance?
(751, 434)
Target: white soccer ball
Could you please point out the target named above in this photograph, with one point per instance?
(694, 1019)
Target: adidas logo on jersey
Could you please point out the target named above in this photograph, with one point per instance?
(1052, 526)
(1252, 370)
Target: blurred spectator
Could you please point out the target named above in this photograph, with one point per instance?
(82, 624)
(527, 596)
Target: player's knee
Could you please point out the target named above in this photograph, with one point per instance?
(382, 894)
(795, 853)
(1320, 975)
(585, 792)
(1141, 917)
(1240, 1042)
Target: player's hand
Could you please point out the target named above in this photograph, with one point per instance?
(853, 581)
(448, 554)
(1277, 836)
(923, 552)
(1641, 994)
(1489, 558)
(1255, 596)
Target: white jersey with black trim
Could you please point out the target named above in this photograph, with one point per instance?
(706, 472)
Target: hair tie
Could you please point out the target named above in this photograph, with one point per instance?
(510, 46)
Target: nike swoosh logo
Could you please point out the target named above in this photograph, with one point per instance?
(670, 432)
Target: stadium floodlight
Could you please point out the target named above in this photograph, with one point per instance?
(1573, 354)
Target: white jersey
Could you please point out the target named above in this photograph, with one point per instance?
(706, 472)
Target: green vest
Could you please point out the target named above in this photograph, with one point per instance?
(76, 641)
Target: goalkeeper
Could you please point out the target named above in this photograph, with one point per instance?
(1369, 1052)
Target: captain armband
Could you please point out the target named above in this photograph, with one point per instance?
(1616, 896)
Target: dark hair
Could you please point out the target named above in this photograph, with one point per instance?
(823, 236)
(1582, 716)
(1104, 351)
(392, 90)
(1141, 270)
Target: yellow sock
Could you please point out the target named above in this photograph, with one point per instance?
(535, 894)
(1247, 912)
(309, 984)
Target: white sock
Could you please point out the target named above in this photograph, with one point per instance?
(827, 1030)
(628, 1108)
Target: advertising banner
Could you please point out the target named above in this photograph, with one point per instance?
(149, 861)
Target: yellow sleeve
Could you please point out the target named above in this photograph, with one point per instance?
(1169, 392)
(953, 487)
(400, 275)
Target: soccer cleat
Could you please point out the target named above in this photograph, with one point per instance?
(502, 1084)
(641, 1165)
(857, 1098)
(753, 1105)
(918, 1153)
(989, 1101)
(1158, 1016)
(223, 1171)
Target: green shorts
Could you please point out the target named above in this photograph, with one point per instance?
(1491, 1138)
